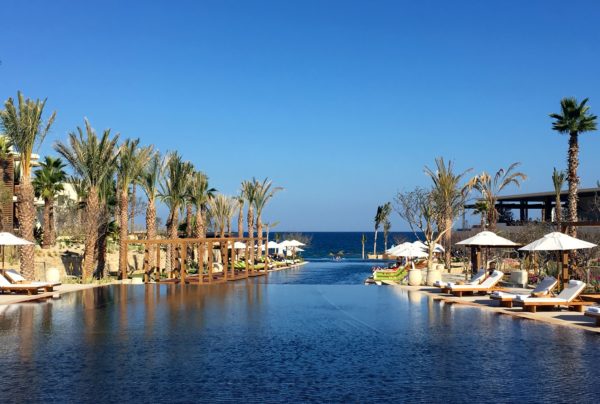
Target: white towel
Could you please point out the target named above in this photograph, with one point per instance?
(593, 309)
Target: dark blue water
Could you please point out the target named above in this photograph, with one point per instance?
(323, 243)
(303, 335)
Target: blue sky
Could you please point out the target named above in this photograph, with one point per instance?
(340, 102)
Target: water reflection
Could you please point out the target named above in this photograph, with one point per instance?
(262, 342)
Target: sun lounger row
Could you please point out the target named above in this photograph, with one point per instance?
(12, 281)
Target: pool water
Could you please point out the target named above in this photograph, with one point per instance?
(285, 338)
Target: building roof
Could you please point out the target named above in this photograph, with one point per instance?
(542, 196)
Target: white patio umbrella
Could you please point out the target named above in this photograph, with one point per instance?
(238, 245)
(270, 245)
(398, 248)
(411, 251)
(296, 243)
(437, 249)
(285, 244)
(487, 239)
(11, 239)
(557, 241)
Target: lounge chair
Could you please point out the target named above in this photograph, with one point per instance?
(6, 286)
(487, 285)
(569, 297)
(15, 277)
(543, 289)
(594, 312)
(475, 280)
(395, 275)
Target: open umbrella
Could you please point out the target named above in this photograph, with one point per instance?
(557, 241)
(11, 239)
(485, 239)
(411, 250)
(398, 248)
(437, 249)
(296, 243)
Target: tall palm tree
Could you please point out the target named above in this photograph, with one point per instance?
(450, 196)
(130, 164)
(48, 182)
(490, 188)
(25, 128)
(264, 193)
(201, 194)
(173, 193)
(574, 118)
(249, 189)
(149, 179)
(387, 225)
(92, 159)
(385, 219)
(558, 180)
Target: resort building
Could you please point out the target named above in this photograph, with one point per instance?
(541, 206)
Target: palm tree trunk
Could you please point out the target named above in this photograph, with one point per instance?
(123, 233)
(173, 236)
(92, 211)
(151, 232)
(448, 242)
(385, 240)
(250, 219)
(26, 216)
(375, 244)
(558, 212)
(52, 223)
(241, 222)
(188, 220)
(133, 188)
(46, 241)
(200, 229)
(259, 234)
(102, 246)
(573, 162)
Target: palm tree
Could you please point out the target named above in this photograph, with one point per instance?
(107, 196)
(249, 189)
(574, 118)
(450, 195)
(363, 240)
(387, 225)
(149, 179)
(47, 183)
(481, 208)
(92, 159)
(173, 194)
(200, 194)
(264, 193)
(558, 180)
(490, 188)
(383, 212)
(25, 128)
(130, 165)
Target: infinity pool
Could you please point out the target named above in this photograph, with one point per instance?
(275, 340)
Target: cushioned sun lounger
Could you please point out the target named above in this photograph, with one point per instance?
(15, 277)
(543, 289)
(488, 285)
(594, 312)
(569, 297)
(475, 280)
(395, 275)
(6, 286)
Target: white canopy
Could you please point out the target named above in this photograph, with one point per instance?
(398, 248)
(11, 239)
(487, 239)
(238, 245)
(411, 250)
(298, 249)
(557, 241)
(271, 244)
(437, 249)
(296, 243)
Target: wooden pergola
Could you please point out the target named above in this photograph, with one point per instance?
(185, 252)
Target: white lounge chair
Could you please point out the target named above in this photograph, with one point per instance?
(543, 289)
(475, 280)
(569, 297)
(6, 286)
(488, 285)
(15, 277)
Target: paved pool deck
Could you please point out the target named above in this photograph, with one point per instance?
(563, 317)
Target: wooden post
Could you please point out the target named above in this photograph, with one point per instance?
(210, 262)
(146, 264)
(565, 268)
(201, 262)
(247, 261)
(157, 267)
(224, 256)
(183, 248)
